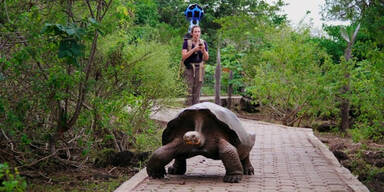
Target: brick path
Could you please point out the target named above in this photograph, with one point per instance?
(285, 159)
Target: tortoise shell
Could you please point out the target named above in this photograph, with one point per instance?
(227, 120)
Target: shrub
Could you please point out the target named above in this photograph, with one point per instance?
(11, 180)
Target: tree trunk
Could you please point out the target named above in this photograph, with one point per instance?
(61, 127)
(344, 109)
(218, 78)
(344, 106)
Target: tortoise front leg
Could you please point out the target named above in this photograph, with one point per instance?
(247, 166)
(228, 154)
(179, 167)
(160, 158)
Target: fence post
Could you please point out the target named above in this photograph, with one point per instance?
(218, 78)
(230, 89)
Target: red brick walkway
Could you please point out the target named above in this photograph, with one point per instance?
(285, 159)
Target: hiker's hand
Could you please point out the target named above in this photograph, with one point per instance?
(196, 49)
(202, 47)
(199, 48)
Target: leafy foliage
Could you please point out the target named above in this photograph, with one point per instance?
(69, 40)
(72, 68)
(289, 77)
(368, 13)
(334, 45)
(368, 97)
(365, 91)
(11, 180)
(146, 12)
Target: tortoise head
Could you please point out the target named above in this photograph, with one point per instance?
(193, 138)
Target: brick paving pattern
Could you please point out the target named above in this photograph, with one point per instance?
(285, 159)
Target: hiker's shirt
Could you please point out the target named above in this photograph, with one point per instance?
(196, 57)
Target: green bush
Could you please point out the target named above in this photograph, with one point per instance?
(287, 77)
(10, 179)
(368, 96)
(148, 140)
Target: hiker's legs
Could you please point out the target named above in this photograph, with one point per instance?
(188, 76)
(197, 84)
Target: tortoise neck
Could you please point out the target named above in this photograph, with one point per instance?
(202, 140)
(199, 120)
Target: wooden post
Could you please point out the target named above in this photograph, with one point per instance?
(230, 89)
(218, 78)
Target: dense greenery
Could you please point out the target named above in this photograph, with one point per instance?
(367, 64)
(11, 180)
(298, 76)
(80, 76)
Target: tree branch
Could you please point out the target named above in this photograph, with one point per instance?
(106, 9)
(90, 9)
(37, 161)
(9, 140)
(52, 155)
(98, 10)
(34, 57)
(6, 10)
(82, 88)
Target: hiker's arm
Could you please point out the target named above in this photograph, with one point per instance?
(185, 53)
(205, 53)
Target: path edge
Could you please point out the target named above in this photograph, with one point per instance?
(133, 182)
(139, 177)
(343, 172)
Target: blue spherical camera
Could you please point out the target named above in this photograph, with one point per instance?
(193, 14)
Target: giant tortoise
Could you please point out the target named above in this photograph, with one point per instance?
(204, 129)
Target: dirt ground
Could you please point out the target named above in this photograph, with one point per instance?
(85, 179)
(364, 159)
(54, 176)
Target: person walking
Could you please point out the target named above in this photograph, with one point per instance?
(194, 53)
